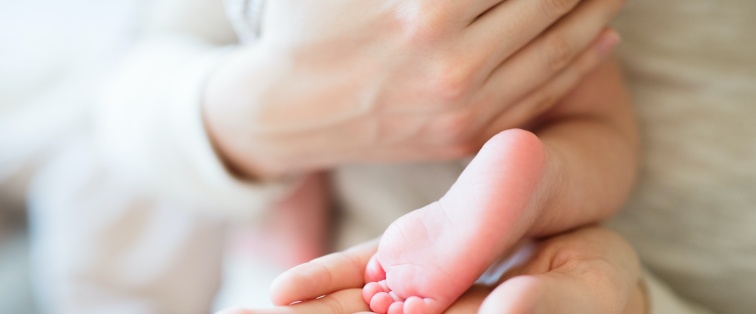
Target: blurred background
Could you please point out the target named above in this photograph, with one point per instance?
(53, 55)
(56, 57)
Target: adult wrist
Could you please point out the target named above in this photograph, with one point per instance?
(236, 96)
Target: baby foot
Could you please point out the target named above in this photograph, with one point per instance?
(429, 257)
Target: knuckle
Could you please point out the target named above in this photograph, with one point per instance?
(556, 8)
(451, 82)
(559, 53)
(326, 275)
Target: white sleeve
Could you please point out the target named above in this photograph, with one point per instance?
(662, 300)
(150, 128)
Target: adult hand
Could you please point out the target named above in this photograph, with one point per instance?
(337, 81)
(591, 270)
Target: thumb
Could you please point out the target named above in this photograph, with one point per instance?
(587, 271)
(324, 275)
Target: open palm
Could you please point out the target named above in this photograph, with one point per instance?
(590, 270)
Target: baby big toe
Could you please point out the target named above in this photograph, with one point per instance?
(374, 271)
(418, 305)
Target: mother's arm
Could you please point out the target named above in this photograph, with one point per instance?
(332, 83)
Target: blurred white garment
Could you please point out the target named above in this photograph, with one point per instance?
(246, 18)
(101, 246)
(53, 55)
(149, 126)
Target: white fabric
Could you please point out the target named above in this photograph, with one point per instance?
(102, 246)
(150, 126)
(151, 130)
(246, 18)
(50, 62)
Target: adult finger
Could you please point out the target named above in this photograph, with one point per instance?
(324, 275)
(492, 118)
(550, 53)
(465, 11)
(549, 94)
(341, 302)
(591, 270)
(510, 25)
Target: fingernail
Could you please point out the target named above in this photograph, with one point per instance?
(608, 41)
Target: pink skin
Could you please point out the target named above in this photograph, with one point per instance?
(425, 259)
(296, 227)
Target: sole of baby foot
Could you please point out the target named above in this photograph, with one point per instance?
(429, 257)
